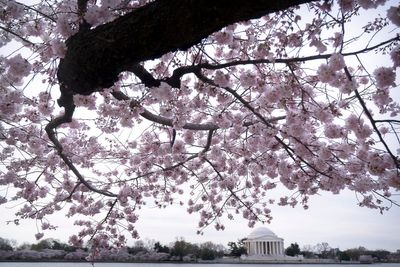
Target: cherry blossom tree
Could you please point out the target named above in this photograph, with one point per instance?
(107, 106)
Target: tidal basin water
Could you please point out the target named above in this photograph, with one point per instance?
(102, 264)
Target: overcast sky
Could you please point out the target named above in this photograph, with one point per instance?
(335, 219)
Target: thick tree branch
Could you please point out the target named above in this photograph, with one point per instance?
(175, 79)
(82, 8)
(145, 76)
(95, 57)
(188, 126)
(50, 128)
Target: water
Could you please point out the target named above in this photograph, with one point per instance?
(86, 264)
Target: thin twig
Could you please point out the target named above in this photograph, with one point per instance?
(17, 35)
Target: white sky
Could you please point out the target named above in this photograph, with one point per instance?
(335, 219)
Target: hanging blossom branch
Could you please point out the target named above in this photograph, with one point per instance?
(391, 122)
(181, 163)
(17, 35)
(51, 127)
(233, 194)
(66, 100)
(35, 10)
(188, 126)
(174, 80)
(112, 205)
(211, 128)
(205, 149)
(392, 202)
(285, 146)
(372, 121)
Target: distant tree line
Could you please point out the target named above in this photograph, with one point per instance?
(179, 250)
(324, 251)
(51, 249)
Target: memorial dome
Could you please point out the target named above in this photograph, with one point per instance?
(261, 233)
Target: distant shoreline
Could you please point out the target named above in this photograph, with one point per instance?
(209, 262)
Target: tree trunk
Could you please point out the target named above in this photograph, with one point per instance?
(95, 57)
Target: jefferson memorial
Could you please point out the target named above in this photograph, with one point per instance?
(263, 241)
(263, 244)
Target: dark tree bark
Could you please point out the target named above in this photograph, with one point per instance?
(95, 57)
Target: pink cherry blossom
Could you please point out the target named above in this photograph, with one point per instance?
(224, 37)
(333, 131)
(14, 9)
(347, 5)
(18, 68)
(163, 92)
(39, 235)
(326, 73)
(336, 62)
(395, 56)
(393, 15)
(385, 77)
(221, 79)
(367, 4)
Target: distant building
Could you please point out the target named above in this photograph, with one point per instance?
(263, 241)
(264, 245)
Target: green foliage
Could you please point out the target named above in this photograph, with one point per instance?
(51, 243)
(137, 247)
(210, 251)
(237, 248)
(205, 251)
(24, 246)
(293, 250)
(182, 248)
(6, 244)
(207, 254)
(380, 254)
(308, 252)
(354, 253)
(344, 256)
(160, 248)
